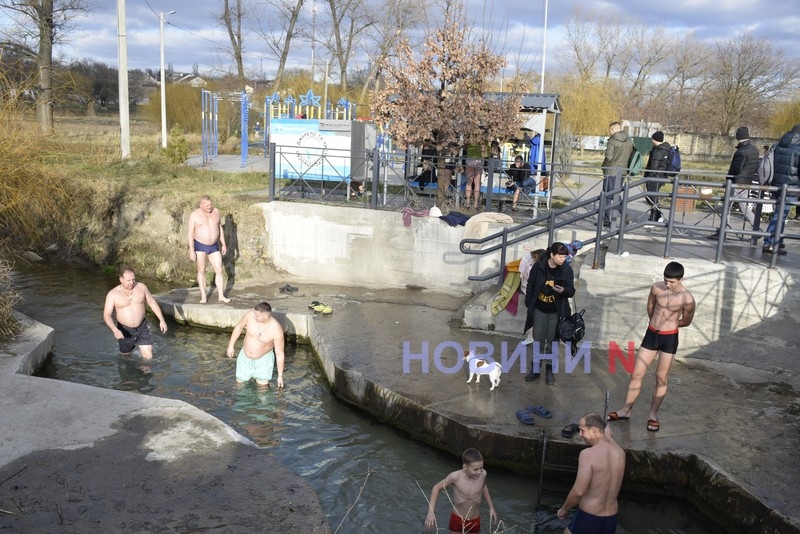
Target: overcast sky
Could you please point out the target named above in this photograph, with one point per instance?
(193, 36)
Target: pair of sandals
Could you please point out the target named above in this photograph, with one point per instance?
(526, 416)
(320, 307)
(653, 425)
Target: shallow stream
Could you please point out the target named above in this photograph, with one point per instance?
(337, 449)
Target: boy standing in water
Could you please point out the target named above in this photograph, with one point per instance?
(469, 486)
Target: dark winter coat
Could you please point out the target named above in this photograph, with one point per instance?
(536, 282)
(657, 165)
(744, 163)
(787, 159)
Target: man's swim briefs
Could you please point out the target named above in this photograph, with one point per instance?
(260, 369)
(664, 340)
(585, 523)
(207, 249)
(469, 525)
(132, 337)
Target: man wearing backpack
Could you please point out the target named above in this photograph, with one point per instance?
(656, 168)
(742, 171)
(619, 148)
(787, 162)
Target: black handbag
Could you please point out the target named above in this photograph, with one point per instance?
(572, 329)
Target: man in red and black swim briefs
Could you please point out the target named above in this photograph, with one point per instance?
(669, 306)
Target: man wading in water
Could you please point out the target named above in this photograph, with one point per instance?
(131, 329)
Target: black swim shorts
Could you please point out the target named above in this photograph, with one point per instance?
(132, 337)
(664, 340)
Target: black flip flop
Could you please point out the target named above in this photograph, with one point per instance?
(570, 430)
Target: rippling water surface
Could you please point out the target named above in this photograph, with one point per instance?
(340, 451)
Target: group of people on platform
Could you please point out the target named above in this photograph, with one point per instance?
(125, 306)
(473, 160)
(742, 172)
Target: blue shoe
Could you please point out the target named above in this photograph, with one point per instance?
(525, 417)
(541, 411)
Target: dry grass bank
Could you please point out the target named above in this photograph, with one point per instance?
(71, 195)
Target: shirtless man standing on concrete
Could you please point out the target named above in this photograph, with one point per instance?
(601, 468)
(262, 347)
(205, 230)
(131, 328)
(669, 306)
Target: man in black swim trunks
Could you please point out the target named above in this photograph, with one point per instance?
(127, 301)
(669, 306)
(601, 468)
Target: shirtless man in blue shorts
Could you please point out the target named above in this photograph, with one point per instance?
(262, 347)
(205, 238)
(670, 306)
(127, 301)
(601, 467)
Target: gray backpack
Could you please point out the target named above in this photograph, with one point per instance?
(766, 167)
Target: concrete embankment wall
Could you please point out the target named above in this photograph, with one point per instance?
(739, 304)
(372, 248)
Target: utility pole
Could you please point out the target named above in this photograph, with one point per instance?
(124, 111)
(161, 17)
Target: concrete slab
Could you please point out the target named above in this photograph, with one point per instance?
(728, 440)
(75, 458)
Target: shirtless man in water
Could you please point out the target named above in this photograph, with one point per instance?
(131, 328)
(262, 347)
(601, 468)
(669, 306)
(205, 231)
(469, 487)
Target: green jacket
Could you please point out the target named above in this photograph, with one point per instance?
(618, 153)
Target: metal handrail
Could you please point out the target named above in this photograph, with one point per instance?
(629, 191)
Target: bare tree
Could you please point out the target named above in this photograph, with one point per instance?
(436, 93)
(597, 45)
(683, 78)
(277, 23)
(232, 19)
(648, 50)
(45, 22)
(390, 27)
(582, 52)
(746, 73)
(348, 20)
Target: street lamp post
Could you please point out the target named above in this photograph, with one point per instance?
(544, 45)
(161, 17)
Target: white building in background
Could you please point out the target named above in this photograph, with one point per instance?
(640, 128)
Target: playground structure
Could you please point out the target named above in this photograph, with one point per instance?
(276, 107)
(324, 142)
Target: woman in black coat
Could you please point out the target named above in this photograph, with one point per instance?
(550, 285)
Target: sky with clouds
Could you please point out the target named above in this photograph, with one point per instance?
(193, 36)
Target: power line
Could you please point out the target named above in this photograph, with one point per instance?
(225, 47)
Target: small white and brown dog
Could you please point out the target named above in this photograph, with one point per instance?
(478, 367)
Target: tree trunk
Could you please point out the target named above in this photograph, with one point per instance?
(44, 96)
(295, 14)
